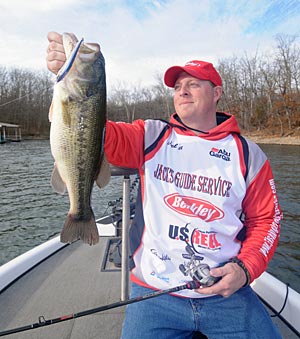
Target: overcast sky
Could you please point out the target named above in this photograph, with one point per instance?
(142, 38)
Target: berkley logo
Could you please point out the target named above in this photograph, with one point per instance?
(193, 207)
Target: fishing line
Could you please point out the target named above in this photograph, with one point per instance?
(63, 72)
(277, 314)
(17, 99)
(25, 95)
(43, 322)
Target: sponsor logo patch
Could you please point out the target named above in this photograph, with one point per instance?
(198, 239)
(220, 153)
(193, 207)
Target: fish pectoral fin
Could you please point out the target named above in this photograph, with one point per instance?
(56, 181)
(104, 173)
(50, 112)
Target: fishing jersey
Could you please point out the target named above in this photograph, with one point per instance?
(194, 190)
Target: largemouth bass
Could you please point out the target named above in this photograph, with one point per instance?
(78, 115)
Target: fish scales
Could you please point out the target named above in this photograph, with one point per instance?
(78, 115)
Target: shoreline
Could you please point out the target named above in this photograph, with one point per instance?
(259, 138)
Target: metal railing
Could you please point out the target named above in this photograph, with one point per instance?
(125, 172)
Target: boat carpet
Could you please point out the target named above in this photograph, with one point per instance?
(68, 282)
(77, 278)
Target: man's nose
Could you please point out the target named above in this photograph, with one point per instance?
(183, 91)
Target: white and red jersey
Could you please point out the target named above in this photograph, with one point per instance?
(194, 190)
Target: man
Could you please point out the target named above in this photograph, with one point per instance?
(198, 178)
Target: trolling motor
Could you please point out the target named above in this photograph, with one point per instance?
(198, 271)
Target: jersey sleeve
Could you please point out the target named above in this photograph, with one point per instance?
(262, 215)
(124, 143)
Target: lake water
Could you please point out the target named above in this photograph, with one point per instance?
(31, 213)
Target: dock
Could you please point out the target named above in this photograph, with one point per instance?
(9, 132)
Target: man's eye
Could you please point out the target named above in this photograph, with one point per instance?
(194, 84)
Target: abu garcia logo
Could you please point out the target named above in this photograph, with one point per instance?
(220, 153)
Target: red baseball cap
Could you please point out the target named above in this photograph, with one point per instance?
(199, 69)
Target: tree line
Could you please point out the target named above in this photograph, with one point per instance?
(262, 91)
(25, 97)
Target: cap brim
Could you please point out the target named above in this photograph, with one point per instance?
(172, 74)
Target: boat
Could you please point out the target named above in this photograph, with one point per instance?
(75, 291)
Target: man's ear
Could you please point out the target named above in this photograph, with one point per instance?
(218, 92)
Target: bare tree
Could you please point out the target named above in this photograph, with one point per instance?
(25, 98)
(163, 97)
(288, 62)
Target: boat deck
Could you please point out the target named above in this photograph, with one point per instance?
(68, 282)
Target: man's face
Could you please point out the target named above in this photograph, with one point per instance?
(194, 98)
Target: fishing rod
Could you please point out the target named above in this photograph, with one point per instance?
(191, 285)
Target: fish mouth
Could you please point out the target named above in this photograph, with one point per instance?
(88, 52)
(69, 41)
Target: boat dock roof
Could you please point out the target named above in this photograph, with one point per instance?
(5, 124)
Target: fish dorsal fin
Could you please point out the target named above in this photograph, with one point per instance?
(56, 181)
(104, 173)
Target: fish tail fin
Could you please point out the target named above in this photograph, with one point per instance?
(78, 228)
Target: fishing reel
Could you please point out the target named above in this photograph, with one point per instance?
(198, 271)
